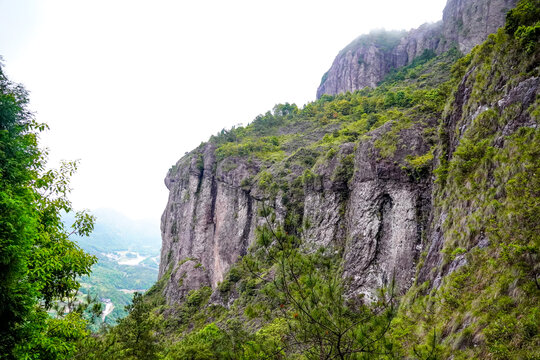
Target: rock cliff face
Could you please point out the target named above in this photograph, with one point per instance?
(378, 213)
(468, 23)
(365, 62)
(365, 195)
(378, 216)
(514, 103)
(429, 180)
(208, 222)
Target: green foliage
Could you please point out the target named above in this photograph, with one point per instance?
(232, 277)
(208, 343)
(420, 165)
(528, 36)
(113, 281)
(285, 299)
(292, 134)
(260, 147)
(526, 13)
(135, 332)
(468, 156)
(523, 22)
(388, 142)
(132, 338)
(58, 337)
(410, 71)
(20, 161)
(39, 264)
(196, 297)
(488, 192)
(310, 291)
(344, 171)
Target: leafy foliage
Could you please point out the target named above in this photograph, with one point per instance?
(288, 299)
(39, 265)
(523, 22)
(488, 192)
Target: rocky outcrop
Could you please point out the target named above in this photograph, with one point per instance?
(387, 214)
(369, 58)
(513, 103)
(377, 216)
(385, 218)
(468, 23)
(208, 222)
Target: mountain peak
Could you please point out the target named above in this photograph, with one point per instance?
(369, 58)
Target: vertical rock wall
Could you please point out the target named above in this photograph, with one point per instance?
(376, 216)
(382, 217)
(207, 225)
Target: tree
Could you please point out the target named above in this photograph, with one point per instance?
(324, 322)
(135, 332)
(39, 265)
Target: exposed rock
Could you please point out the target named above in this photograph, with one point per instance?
(382, 217)
(510, 106)
(387, 214)
(369, 58)
(467, 23)
(208, 219)
(363, 63)
(416, 41)
(378, 216)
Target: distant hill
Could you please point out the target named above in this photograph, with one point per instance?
(128, 259)
(114, 231)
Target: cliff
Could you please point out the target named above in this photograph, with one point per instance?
(429, 179)
(211, 216)
(369, 58)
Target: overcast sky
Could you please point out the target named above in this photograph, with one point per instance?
(129, 86)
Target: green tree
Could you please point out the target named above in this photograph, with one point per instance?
(308, 287)
(523, 22)
(135, 333)
(19, 165)
(39, 265)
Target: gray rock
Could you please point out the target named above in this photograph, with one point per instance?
(468, 23)
(377, 217)
(365, 62)
(382, 217)
(208, 218)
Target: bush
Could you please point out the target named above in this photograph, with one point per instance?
(526, 13)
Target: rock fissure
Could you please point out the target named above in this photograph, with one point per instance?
(247, 227)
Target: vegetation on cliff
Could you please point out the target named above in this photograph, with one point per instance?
(464, 129)
(476, 289)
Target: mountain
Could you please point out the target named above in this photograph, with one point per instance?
(397, 221)
(114, 231)
(378, 137)
(369, 58)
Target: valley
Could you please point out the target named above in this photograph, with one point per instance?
(128, 261)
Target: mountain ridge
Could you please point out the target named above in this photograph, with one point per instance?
(369, 58)
(424, 185)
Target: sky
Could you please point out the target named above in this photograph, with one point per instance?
(127, 87)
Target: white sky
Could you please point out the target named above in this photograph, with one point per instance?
(129, 86)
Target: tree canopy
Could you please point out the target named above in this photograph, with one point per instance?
(39, 264)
